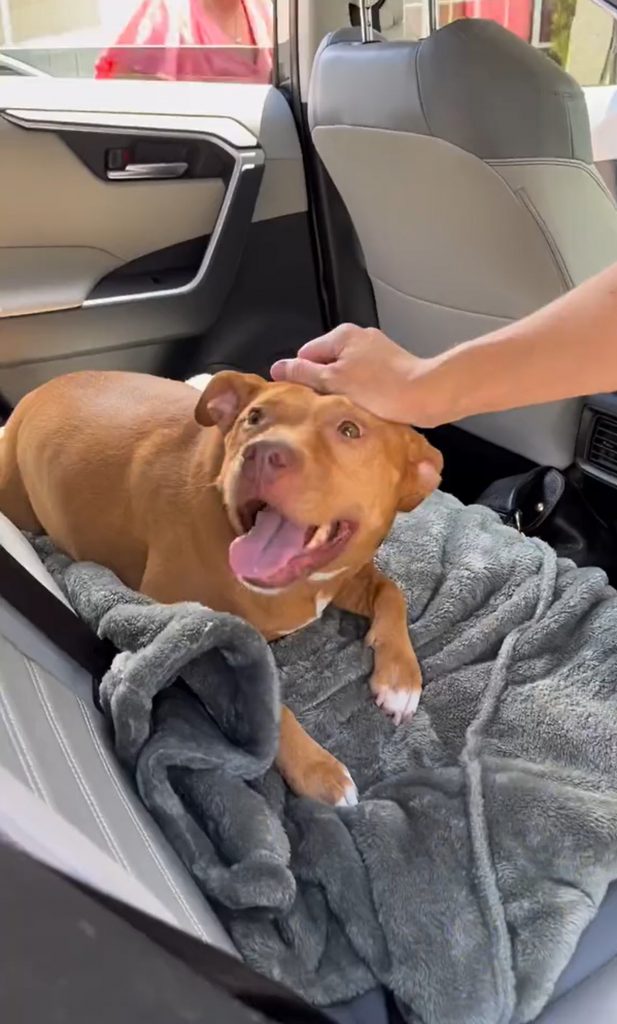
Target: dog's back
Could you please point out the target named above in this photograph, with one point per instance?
(71, 450)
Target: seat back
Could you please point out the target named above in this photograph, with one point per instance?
(464, 161)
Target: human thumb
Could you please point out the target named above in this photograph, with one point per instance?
(301, 371)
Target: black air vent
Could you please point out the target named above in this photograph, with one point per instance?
(603, 445)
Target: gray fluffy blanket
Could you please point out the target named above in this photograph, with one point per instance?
(486, 833)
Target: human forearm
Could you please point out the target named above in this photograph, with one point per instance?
(565, 349)
(568, 348)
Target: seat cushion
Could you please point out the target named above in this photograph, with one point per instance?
(30, 824)
(54, 742)
(594, 1000)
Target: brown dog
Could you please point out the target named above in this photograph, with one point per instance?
(271, 512)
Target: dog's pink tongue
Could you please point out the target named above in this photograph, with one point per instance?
(268, 547)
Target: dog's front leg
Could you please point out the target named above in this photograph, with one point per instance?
(397, 679)
(308, 769)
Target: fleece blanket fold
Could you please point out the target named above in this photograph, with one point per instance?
(486, 832)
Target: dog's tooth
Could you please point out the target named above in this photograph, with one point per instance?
(319, 537)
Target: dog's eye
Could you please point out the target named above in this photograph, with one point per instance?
(254, 416)
(349, 429)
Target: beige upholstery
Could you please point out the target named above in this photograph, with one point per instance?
(466, 222)
(63, 230)
(55, 245)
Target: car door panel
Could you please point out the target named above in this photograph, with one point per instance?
(213, 266)
(82, 227)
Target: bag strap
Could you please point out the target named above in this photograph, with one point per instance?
(54, 619)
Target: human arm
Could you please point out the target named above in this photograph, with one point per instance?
(565, 349)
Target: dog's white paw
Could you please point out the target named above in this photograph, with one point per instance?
(401, 704)
(327, 780)
(200, 381)
(350, 795)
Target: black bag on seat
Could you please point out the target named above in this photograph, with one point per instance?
(548, 504)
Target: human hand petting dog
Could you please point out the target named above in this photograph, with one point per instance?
(363, 364)
(563, 350)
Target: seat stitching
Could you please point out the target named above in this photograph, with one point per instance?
(550, 240)
(565, 97)
(111, 770)
(556, 162)
(21, 749)
(416, 68)
(79, 778)
(537, 161)
(440, 305)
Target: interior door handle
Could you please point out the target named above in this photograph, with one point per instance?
(149, 172)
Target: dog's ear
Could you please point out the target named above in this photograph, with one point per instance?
(225, 396)
(422, 474)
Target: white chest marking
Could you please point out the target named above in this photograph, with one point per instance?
(286, 632)
(321, 577)
(321, 603)
(266, 591)
(200, 381)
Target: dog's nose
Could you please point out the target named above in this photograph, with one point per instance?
(268, 459)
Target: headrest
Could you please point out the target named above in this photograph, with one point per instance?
(472, 83)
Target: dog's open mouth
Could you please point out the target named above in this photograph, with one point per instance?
(275, 552)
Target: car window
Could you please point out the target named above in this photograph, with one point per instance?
(579, 35)
(169, 40)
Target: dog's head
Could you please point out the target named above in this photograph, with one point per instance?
(311, 483)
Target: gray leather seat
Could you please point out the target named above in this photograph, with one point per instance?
(64, 798)
(464, 161)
